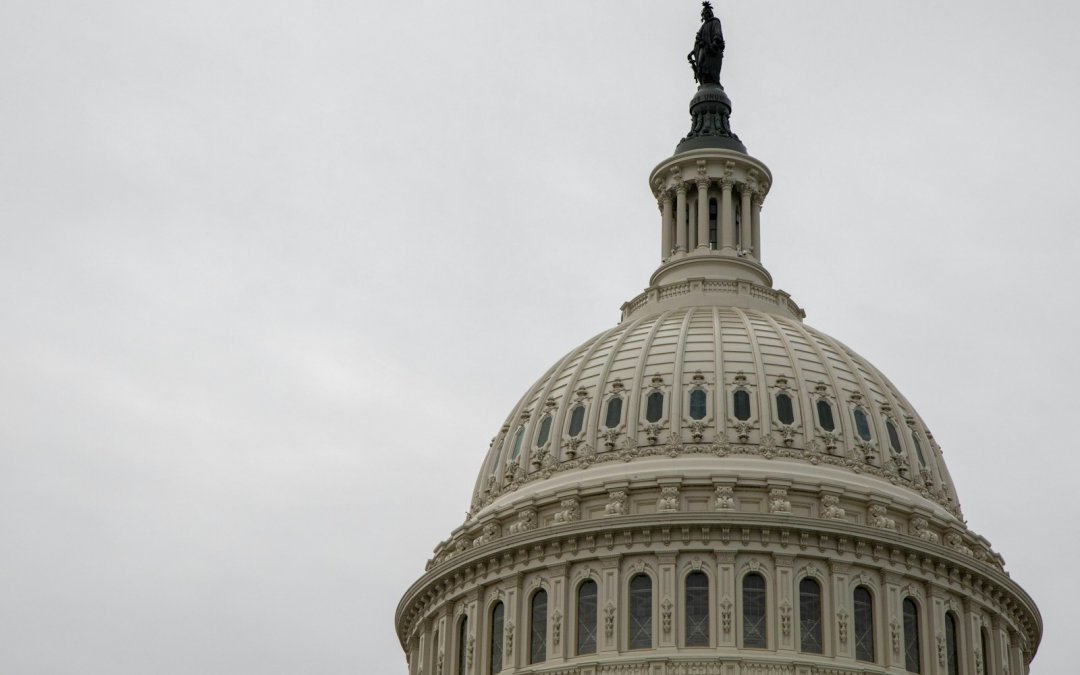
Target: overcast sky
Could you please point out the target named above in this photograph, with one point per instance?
(272, 274)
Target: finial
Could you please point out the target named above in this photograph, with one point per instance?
(707, 56)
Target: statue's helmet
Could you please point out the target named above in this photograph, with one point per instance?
(706, 10)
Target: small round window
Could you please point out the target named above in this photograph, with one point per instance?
(824, 415)
(741, 401)
(784, 410)
(544, 433)
(577, 420)
(654, 407)
(894, 438)
(862, 425)
(697, 404)
(614, 413)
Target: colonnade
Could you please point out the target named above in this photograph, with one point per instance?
(711, 214)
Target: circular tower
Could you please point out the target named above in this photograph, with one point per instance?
(712, 487)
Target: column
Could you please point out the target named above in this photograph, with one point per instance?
(725, 591)
(749, 232)
(668, 225)
(786, 599)
(691, 227)
(607, 606)
(755, 221)
(844, 624)
(727, 217)
(680, 217)
(557, 613)
(703, 213)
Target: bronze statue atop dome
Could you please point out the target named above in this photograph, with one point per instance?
(707, 57)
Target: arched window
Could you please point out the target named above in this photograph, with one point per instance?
(538, 628)
(894, 438)
(654, 407)
(462, 644)
(755, 631)
(984, 638)
(864, 625)
(697, 404)
(713, 211)
(784, 410)
(824, 415)
(918, 448)
(545, 431)
(577, 420)
(697, 609)
(614, 413)
(862, 425)
(952, 651)
(517, 443)
(586, 618)
(810, 616)
(640, 623)
(497, 613)
(912, 655)
(741, 400)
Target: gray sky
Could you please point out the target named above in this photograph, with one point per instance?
(272, 274)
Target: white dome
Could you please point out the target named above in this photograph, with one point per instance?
(716, 351)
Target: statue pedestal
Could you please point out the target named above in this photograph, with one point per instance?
(710, 126)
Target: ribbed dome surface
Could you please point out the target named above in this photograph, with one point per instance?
(875, 434)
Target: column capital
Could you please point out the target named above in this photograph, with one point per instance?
(703, 182)
(680, 188)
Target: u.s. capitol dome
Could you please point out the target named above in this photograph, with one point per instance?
(714, 487)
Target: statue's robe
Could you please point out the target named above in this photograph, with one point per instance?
(709, 51)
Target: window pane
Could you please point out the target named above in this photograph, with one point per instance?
(586, 618)
(754, 628)
(864, 625)
(614, 413)
(784, 411)
(517, 443)
(953, 655)
(545, 431)
(984, 637)
(462, 644)
(538, 628)
(640, 624)
(894, 438)
(496, 638)
(654, 407)
(697, 404)
(824, 415)
(918, 449)
(742, 405)
(810, 616)
(862, 425)
(697, 610)
(577, 420)
(713, 211)
(912, 657)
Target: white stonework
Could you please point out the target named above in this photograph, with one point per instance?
(713, 432)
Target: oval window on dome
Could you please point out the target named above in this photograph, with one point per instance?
(784, 410)
(577, 420)
(698, 400)
(614, 413)
(741, 407)
(517, 443)
(894, 438)
(824, 415)
(862, 425)
(918, 448)
(544, 433)
(654, 407)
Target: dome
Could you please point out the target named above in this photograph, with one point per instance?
(709, 391)
(712, 486)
